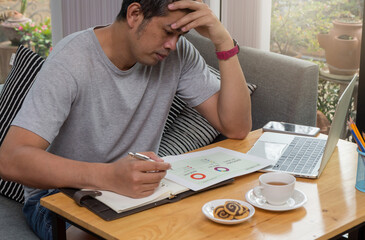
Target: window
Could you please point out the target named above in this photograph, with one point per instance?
(296, 24)
(296, 28)
(327, 32)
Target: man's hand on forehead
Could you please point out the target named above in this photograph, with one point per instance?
(177, 30)
(200, 18)
(197, 10)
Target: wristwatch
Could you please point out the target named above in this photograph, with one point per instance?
(224, 55)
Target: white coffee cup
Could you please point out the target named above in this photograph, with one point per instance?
(275, 188)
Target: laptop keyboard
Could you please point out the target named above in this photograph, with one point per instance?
(301, 156)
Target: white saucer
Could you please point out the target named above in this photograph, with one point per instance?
(297, 200)
(208, 208)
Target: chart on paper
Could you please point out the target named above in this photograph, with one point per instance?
(202, 169)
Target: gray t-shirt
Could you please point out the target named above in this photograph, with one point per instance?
(89, 110)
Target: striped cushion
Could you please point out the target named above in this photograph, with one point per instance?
(186, 129)
(176, 107)
(20, 79)
(189, 131)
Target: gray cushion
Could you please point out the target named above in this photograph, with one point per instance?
(12, 221)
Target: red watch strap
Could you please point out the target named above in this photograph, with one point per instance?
(224, 55)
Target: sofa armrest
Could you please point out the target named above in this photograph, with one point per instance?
(286, 86)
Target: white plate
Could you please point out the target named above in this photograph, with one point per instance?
(297, 200)
(209, 207)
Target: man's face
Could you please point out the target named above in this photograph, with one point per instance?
(154, 39)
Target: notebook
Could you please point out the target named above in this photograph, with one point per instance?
(191, 173)
(299, 155)
(120, 203)
(87, 199)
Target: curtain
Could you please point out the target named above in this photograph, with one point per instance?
(248, 21)
(70, 16)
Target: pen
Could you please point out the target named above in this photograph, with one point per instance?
(141, 157)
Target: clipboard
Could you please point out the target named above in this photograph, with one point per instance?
(86, 199)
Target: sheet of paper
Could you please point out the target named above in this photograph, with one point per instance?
(202, 169)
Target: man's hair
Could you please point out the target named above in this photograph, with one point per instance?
(150, 8)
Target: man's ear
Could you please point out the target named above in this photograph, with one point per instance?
(134, 15)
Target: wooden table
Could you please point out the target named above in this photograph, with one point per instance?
(334, 206)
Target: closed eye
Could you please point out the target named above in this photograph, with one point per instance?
(169, 33)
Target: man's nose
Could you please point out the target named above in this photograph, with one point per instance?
(171, 43)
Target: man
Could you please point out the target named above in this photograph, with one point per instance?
(106, 91)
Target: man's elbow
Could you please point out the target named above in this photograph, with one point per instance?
(3, 166)
(239, 133)
(7, 166)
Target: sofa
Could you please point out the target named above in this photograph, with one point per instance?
(284, 89)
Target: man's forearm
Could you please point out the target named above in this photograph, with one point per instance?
(39, 169)
(23, 159)
(229, 111)
(234, 102)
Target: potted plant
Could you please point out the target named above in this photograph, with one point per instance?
(13, 21)
(342, 46)
(295, 24)
(37, 36)
(4, 15)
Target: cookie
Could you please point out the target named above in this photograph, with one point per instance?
(242, 215)
(233, 208)
(220, 213)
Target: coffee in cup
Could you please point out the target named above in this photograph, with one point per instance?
(275, 188)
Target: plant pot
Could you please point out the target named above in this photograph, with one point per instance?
(342, 47)
(8, 27)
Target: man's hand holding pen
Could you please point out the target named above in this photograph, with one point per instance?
(140, 156)
(135, 178)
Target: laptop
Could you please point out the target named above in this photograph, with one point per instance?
(299, 155)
